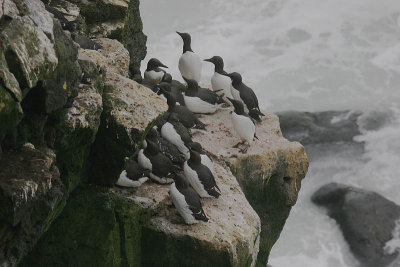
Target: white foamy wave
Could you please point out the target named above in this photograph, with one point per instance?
(300, 55)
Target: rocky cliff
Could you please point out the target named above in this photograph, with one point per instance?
(64, 141)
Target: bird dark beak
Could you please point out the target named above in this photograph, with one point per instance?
(162, 65)
(230, 99)
(208, 60)
(226, 74)
(180, 34)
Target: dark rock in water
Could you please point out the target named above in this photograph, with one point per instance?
(366, 219)
(31, 197)
(319, 127)
(85, 42)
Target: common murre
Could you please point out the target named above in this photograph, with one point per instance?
(200, 176)
(186, 201)
(189, 63)
(246, 95)
(243, 125)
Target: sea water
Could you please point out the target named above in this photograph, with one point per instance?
(304, 55)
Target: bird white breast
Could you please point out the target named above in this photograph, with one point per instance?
(181, 205)
(123, 180)
(194, 180)
(235, 94)
(168, 132)
(161, 180)
(143, 161)
(155, 76)
(190, 66)
(196, 105)
(219, 81)
(205, 160)
(244, 127)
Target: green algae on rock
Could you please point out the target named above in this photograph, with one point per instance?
(107, 231)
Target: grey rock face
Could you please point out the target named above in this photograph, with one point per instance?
(31, 196)
(366, 219)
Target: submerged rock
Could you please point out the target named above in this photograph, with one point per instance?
(31, 197)
(319, 127)
(270, 174)
(366, 219)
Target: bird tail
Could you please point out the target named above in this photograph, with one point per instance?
(259, 111)
(221, 98)
(255, 114)
(199, 125)
(201, 216)
(213, 192)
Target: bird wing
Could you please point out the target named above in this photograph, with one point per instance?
(162, 166)
(248, 96)
(207, 95)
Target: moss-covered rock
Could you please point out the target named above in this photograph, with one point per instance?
(96, 228)
(63, 82)
(76, 131)
(270, 174)
(133, 37)
(128, 110)
(31, 197)
(10, 112)
(29, 53)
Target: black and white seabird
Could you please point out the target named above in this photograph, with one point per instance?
(133, 175)
(185, 116)
(243, 124)
(153, 71)
(200, 176)
(200, 100)
(205, 157)
(176, 88)
(174, 131)
(219, 80)
(186, 201)
(161, 167)
(165, 147)
(246, 95)
(189, 63)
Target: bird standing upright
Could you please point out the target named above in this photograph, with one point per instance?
(219, 80)
(200, 176)
(246, 95)
(243, 125)
(189, 63)
(186, 201)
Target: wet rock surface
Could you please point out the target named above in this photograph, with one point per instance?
(366, 219)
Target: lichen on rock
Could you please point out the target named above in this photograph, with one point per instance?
(269, 174)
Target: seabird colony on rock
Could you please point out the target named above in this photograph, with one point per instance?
(168, 151)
